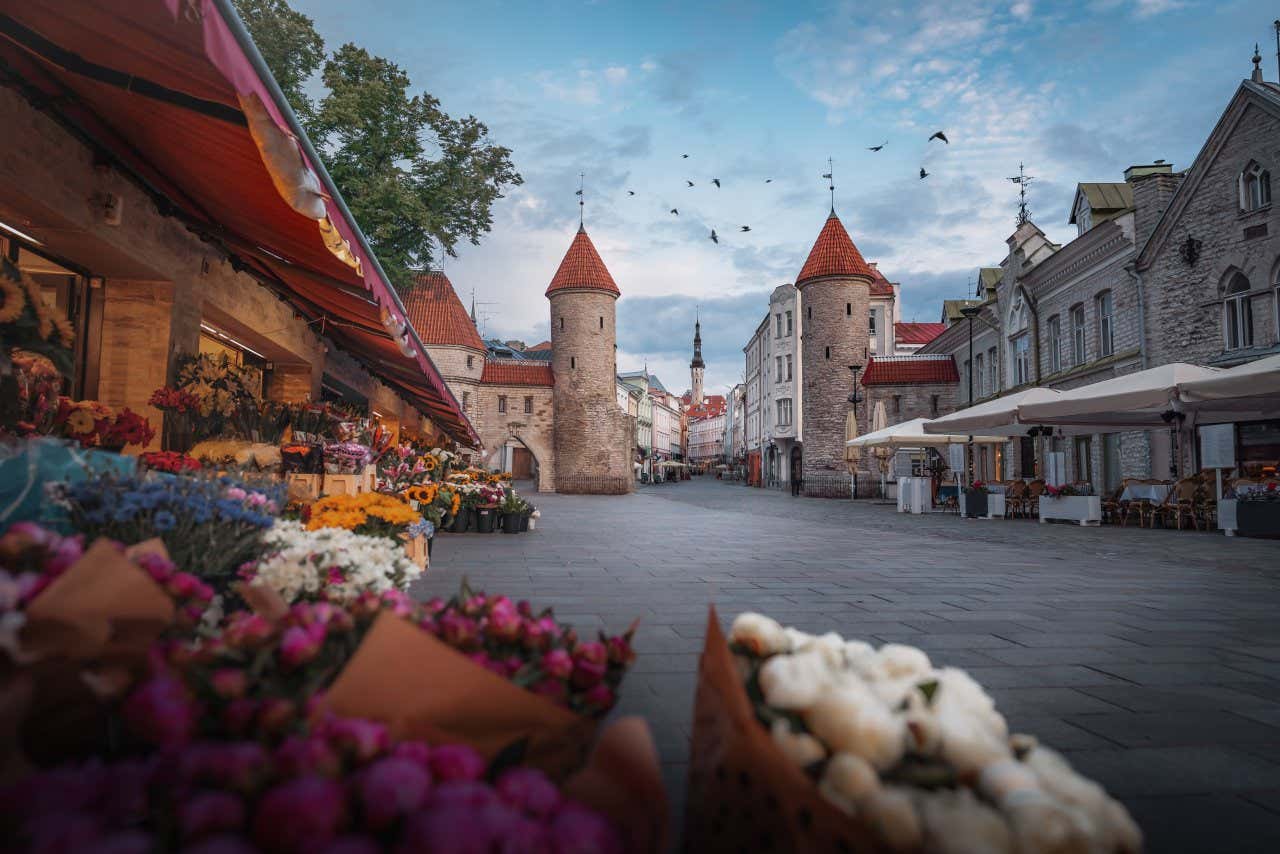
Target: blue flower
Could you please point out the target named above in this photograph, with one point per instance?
(164, 521)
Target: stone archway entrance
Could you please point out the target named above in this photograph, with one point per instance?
(521, 463)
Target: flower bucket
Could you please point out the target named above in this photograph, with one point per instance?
(511, 523)
(459, 523)
(485, 518)
(524, 522)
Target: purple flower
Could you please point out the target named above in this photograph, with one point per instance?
(299, 815)
(161, 712)
(299, 645)
(504, 620)
(362, 738)
(223, 844)
(456, 762)
(229, 683)
(391, 788)
(352, 845)
(459, 631)
(210, 812)
(299, 756)
(462, 830)
(577, 830)
(557, 664)
(415, 751)
(57, 832)
(528, 790)
(124, 842)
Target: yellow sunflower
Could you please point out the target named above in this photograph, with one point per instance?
(429, 464)
(12, 302)
(80, 421)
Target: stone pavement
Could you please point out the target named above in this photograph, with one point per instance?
(1150, 657)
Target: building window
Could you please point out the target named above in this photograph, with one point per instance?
(562, 323)
(993, 368)
(1255, 187)
(828, 352)
(788, 323)
(502, 404)
(933, 406)
(777, 369)
(602, 323)
(1077, 335)
(471, 361)
(1084, 216)
(1106, 324)
(897, 406)
(848, 309)
(528, 404)
(1021, 360)
(466, 401)
(788, 367)
(1237, 314)
(1084, 459)
(573, 362)
(810, 312)
(784, 412)
(1055, 344)
(777, 326)
(872, 325)
(978, 375)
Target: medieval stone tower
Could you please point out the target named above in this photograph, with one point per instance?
(697, 366)
(835, 290)
(592, 434)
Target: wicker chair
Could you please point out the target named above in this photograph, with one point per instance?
(1034, 490)
(1015, 500)
(1113, 509)
(1182, 503)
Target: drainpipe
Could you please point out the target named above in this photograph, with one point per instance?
(1132, 270)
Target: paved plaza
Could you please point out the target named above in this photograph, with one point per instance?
(1150, 657)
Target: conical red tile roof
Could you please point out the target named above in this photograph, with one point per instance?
(433, 307)
(582, 268)
(833, 254)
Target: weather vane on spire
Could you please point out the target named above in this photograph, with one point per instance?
(1023, 181)
(831, 182)
(581, 202)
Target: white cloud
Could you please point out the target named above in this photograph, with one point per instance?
(615, 74)
(1021, 10)
(1151, 8)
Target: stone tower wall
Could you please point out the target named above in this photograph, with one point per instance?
(835, 336)
(696, 387)
(591, 433)
(463, 380)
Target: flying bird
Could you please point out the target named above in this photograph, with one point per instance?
(923, 174)
(714, 238)
(676, 212)
(685, 156)
(715, 181)
(578, 193)
(631, 192)
(690, 183)
(878, 147)
(826, 174)
(940, 135)
(768, 180)
(745, 228)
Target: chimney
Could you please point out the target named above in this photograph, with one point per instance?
(1153, 187)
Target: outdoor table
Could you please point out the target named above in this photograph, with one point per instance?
(1153, 492)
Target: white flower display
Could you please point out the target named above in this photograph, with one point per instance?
(300, 564)
(916, 752)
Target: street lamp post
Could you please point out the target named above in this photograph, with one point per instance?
(970, 311)
(855, 399)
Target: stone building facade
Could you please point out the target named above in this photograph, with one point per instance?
(835, 293)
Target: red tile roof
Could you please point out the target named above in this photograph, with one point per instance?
(545, 345)
(903, 370)
(435, 311)
(833, 254)
(711, 406)
(517, 373)
(880, 286)
(917, 333)
(582, 268)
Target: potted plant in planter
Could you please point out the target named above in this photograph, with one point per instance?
(975, 500)
(1258, 512)
(1068, 503)
(512, 509)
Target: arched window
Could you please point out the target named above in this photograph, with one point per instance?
(1106, 324)
(1019, 319)
(1237, 314)
(1255, 187)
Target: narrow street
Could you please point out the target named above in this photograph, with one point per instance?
(1149, 657)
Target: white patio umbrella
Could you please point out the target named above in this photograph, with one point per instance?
(999, 416)
(911, 434)
(1253, 386)
(1131, 401)
(879, 420)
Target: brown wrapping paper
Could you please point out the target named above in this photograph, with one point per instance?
(744, 794)
(622, 780)
(424, 689)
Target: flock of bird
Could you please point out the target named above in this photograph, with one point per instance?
(715, 238)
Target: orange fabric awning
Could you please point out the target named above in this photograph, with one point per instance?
(159, 85)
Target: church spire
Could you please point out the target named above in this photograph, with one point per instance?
(697, 367)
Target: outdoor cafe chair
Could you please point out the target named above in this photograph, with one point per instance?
(1113, 509)
(1034, 490)
(1181, 504)
(1015, 499)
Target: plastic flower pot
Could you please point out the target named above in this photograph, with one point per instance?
(1258, 518)
(460, 521)
(485, 518)
(524, 521)
(511, 523)
(975, 503)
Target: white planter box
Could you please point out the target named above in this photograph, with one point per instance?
(1227, 516)
(914, 495)
(1085, 509)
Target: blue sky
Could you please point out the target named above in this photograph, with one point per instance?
(757, 90)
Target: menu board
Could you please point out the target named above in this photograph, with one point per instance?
(1218, 446)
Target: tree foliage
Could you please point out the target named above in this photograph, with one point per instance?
(414, 177)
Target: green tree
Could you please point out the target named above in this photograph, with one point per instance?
(289, 43)
(413, 176)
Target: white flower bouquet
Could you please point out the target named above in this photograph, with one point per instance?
(332, 562)
(877, 750)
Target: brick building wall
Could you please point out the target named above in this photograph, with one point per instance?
(835, 337)
(534, 430)
(591, 434)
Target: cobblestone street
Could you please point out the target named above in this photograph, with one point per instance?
(1149, 657)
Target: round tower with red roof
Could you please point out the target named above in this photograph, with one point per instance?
(835, 291)
(592, 435)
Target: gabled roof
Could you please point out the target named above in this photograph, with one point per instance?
(988, 278)
(582, 268)
(917, 333)
(1264, 95)
(1105, 200)
(951, 309)
(880, 286)
(433, 307)
(833, 254)
(503, 372)
(905, 370)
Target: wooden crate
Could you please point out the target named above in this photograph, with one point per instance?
(302, 487)
(419, 551)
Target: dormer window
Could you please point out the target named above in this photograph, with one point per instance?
(1255, 187)
(1084, 215)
